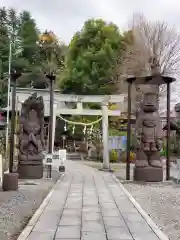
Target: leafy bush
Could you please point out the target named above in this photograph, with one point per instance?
(124, 156)
(114, 156)
(163, 153)
(115, 132)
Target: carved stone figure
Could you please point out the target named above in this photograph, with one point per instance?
(31, 138)
(148, 166)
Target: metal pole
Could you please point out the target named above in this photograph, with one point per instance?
(168, 134)
(128, 133)
(54, 124)
(13, 116)
(50, 150)
(8, 98)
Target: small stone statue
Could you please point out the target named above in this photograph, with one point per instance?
(148, 132)
(31, 138)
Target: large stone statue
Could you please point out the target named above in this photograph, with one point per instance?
(31, 138)
(148, 166)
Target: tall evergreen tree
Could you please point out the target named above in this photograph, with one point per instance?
(29, 36)
(4, 53)
(4, 48)
(28, 53)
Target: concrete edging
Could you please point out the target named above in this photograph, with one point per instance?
(27, 230)
(146, 217)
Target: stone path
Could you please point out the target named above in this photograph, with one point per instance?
(90, 205)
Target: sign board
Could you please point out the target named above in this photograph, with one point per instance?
(48, 159)
(56, 159)
(117, 142)
(62, 155)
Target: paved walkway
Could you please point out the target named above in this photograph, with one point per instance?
(90, 205)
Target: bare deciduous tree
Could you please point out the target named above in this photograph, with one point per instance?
(156, 39)
(151, 39)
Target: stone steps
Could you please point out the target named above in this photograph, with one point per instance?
(73, 156)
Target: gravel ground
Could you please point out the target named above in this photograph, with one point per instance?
(161, 202)
(16, 208)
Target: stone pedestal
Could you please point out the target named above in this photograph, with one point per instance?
(27, 171)
(148, 174)
(10, 182)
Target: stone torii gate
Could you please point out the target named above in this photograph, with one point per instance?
(61, 101)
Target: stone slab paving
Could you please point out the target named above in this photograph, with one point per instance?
(90, 205)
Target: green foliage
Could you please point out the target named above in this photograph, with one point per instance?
(91, 58)
(178, 123)
(163, 153)
(4, 52)
(28, 35)
(86, 67)
(114, 155)
(124, 156)
(115, 132)
(29, 54)
(95, 106)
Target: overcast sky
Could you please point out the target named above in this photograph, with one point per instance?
(65, 17)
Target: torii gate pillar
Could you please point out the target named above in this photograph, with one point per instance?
(105, 136)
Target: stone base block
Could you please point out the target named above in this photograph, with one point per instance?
(61, 168)
(30, 171)
(148, 174)
(10, 182)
